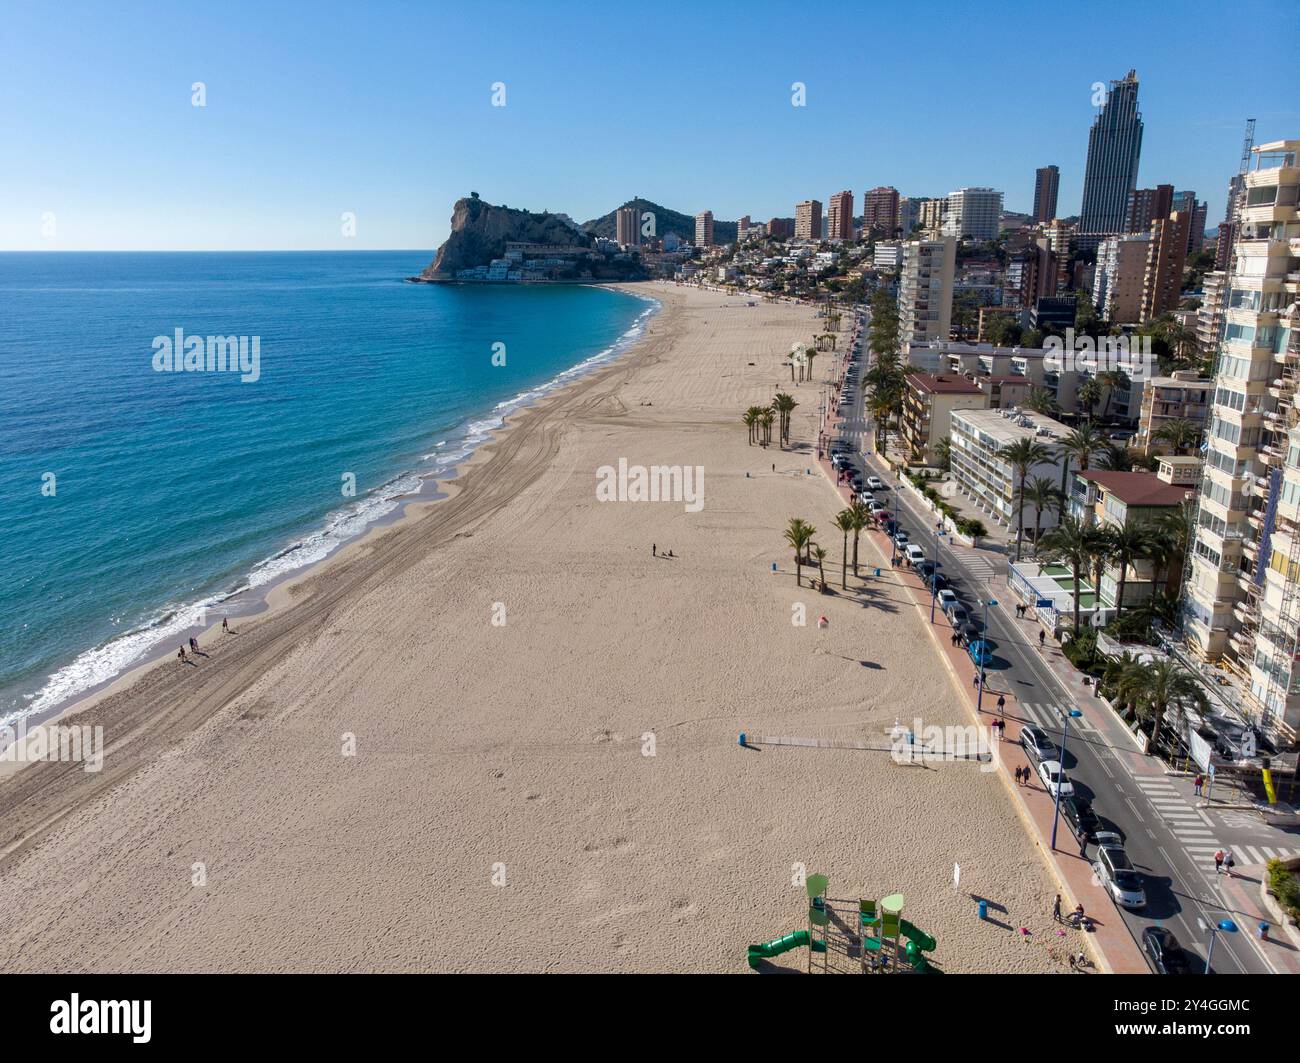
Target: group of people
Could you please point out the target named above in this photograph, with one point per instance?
(1223, 859)
(1023, 775)
(656, 552)
(184, 658)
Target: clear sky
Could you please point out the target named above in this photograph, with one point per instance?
(385, 110)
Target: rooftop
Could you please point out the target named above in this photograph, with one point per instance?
(1007, 425)
(1137, 488)
(941, 384)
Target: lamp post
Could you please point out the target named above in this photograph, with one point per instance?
(1226, 926)
(983, 649)
(1065, 737)
(934, 580)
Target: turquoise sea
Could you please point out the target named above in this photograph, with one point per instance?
(132, 497)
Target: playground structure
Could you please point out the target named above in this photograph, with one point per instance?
(875, 933)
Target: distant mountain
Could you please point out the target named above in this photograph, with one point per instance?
(666, 221)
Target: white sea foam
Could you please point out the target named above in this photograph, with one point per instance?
(96, 667)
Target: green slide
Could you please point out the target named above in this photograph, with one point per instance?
(924, 941)
(797, 940)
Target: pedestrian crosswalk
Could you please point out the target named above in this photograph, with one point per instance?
(976, 563)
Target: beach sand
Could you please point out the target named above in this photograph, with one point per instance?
(499, 813)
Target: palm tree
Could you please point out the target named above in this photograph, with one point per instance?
(1071, 543)
(1089, 394)
(765, 419)
(1129, 542)
(1080, 445)
(1023, 455)
(799, 534)
(1116, 459)
(844, 522)
(1165, 686)
(1181, 433)
(784, 405)
(750, 418)
(1040, 400)
(861, 519)
(1099, 551)
(819, 555)
(1174, 531)
(1112, 380)
(943, 452)
(881, 406)
(1040, 493)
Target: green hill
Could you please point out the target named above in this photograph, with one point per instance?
(666, 221)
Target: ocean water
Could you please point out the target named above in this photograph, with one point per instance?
(132, 498)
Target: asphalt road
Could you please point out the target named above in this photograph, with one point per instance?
(1177, 890)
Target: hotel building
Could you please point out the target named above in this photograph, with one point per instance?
(627, 226)
(928, 403)
(1047, 180)
(1162, 283)
(974, 213)
(840, 218)
(808, 220)
(1121, 271)
(880, 212)
(704, 229)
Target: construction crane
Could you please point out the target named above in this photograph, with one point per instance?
(1246, 145)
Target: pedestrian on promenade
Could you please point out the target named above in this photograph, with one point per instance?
(1002, 704)
(1197, 784)
(1056, 909)
(1083, 845)
(1229, 862)
(1042, 638)
(1218, 862)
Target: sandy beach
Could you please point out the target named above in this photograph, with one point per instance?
(379, 774)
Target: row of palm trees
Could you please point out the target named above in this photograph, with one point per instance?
(760, 419)
(1154, 691)
(1087, 549)
(800, 536)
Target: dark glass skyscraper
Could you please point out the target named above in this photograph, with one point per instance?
(1114, 145)
(1046, 181)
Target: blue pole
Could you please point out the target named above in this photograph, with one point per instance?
(1214, 932)
(934, 582)
(979, 700)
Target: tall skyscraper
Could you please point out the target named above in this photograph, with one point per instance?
(1196, 211)
(1047, 180)
(880, 211)
(1114, 146)
(704, 229)
(627, 225)
(1166, 257)
(808, 220)
(925, 290)
(841, 217)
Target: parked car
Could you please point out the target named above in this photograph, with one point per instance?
(900, 537)
(1163, 951)
(874, 507)
(1079, 817)
(947, 599)
(1036, 743)
(938, 581)
(1054, 779)
(924, 569)
(915, 555)
(959, 616)
(866, 497)
(1119, 876)
(876, 483)
(980, 652)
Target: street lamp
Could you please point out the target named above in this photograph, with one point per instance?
(983, 649)
(1227, 926)
(1060, 778)
(934, 580)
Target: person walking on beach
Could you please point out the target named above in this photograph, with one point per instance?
(1218, 862)
(180, 655)
(194, 645)
(1197, 783)
(652, 549)
(1056, 909)
(225, 625)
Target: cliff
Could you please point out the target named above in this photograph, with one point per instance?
(479, 232)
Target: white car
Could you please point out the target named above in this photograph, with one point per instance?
(874, 507)
(915, 555)
(1054, 779)
(875, 483)
(866, 497)
(901, 540)
(946, 598)
(1119, 876)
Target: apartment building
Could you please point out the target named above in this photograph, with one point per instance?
(1185, 395)
(1047, 181)
(974, 213)
(627, 226)
(704, 229)
(1242, 595)
(840, 219)
(1121, 271)
(880, 212)
(1114, 500)
(986, 478)
(808, 220)
(925, 290)
(1209, 315)
(928, 403)
(887, 256)
(1162, 283)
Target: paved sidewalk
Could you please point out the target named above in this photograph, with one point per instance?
(1241, 901)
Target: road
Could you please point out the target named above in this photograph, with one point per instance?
(1144, 810)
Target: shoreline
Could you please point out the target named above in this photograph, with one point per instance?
(247, 602)
(522, 747)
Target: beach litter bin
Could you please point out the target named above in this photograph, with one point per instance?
(984, 910)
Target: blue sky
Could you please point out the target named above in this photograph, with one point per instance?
(384, 109)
